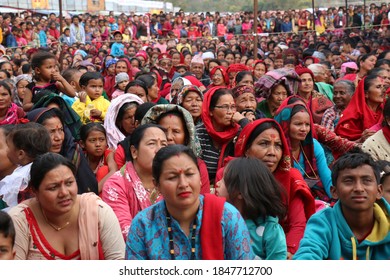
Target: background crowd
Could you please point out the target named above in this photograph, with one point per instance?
(171, 136)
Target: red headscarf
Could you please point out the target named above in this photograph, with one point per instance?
(283, 117)
(357, 116)
(290, 178)
(224, 74)
(302, 70)
(235, 68)
(221, 137)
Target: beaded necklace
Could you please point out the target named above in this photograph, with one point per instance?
(170, 235)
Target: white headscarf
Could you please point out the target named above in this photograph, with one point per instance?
(114, 135)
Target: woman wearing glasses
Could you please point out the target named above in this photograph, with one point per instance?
(221, 123)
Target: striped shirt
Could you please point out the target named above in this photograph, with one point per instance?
(209, 153)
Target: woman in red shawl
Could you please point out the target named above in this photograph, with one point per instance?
(363, 111)
(232, 71)
(219, 77)
(264, 139)
(221, 123)
(315, 101)
(122, 65)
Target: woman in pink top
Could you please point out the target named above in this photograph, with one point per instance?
(131, 189)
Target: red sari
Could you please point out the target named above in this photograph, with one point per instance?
(358, 116)
(299, 199)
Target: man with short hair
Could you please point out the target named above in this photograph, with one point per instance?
(357, 227)
(197, 68)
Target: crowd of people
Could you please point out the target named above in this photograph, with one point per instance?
(171, 136)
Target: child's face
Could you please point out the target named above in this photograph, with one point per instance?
(386, 189)
(47, 69)
(221, 190)
(13, 153)
(6, 166)
(357, 189)
(7, 251)
(122, 85)
(94, 88)
(118, 38)
(95, 144)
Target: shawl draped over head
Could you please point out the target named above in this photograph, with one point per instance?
(240, 90)
(272, 78)
(154, 113)
(186, 82)
(221, 137)
(71, 118)
(185, 90)
(283, 117)
(357, 116)
(288, 177)
(225, 76)
(114, 135)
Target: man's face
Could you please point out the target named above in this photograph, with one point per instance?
(357, 189)
(197, 69)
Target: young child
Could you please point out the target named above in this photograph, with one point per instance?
(91, 106)
(46, 76)
(100, 158)
(25, 143)
(121, 81)
(6, 166)
(7, 237)
(65, 38)
(249, 185)
(72, 76)
(357, 227)
(117, 48)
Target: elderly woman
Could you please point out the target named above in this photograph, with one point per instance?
(275, 86)
(180, 129)
(191, 99)
(179, 227)
(221, 123)
(245, 99)
(378, 145)
(10, 113)
(21, 83)
(131, 189)
(363, 111)
(176, 86)
(59, 224)
(343, 91)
